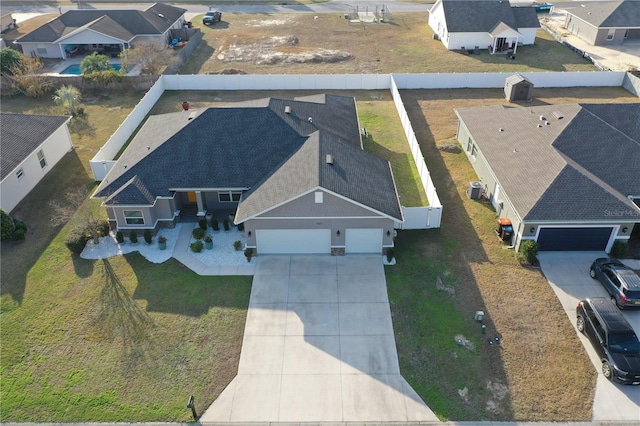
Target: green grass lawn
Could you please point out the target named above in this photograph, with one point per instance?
(115, 340)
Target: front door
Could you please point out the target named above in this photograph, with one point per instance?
(500, 44)
(191, 197)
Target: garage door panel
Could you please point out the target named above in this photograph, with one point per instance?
(366, 240)
(289, 241)
(574, 239)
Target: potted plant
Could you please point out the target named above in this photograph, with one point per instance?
(214, 225)
(225, 223)
(208, 242)
(133, 237)
(202, 223)
(162, 242)
(147, 236)
(209, 218)
(248, 253)
(237, 245)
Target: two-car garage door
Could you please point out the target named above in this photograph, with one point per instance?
(574, 239)
(316, 241)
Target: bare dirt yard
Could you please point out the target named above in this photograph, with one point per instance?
(328, 43)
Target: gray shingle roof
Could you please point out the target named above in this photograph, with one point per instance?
(576, 168)
(483, 15)
(122, 24)
(354, 174)
(516, 78)
(21, 134)
(610, 14)
(250, 145)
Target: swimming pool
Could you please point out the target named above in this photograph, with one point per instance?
(75, 69)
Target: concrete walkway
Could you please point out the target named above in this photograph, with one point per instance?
(318, 347)
(181, 253)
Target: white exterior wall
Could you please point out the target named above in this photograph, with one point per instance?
(52, 50)
(437, 21)
(529, 35)
(13, 190)
(468, 40)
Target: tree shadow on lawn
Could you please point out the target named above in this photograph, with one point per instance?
(18, 258)
(120, 317)
(451, 249)
(173, 288)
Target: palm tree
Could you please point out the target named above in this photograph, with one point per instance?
(68, 97)
(95, 63)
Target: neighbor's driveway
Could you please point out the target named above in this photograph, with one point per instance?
(568, 274)
(318, 347)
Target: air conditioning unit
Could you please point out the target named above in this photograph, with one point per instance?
(474, 191)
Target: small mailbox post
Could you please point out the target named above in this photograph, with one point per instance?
(192, 405)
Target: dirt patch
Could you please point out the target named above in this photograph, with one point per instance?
(269, 51)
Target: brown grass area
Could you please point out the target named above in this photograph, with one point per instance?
(404, 45)
(547, 370)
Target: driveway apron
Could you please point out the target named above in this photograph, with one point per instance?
(318, 346)
(568, 275)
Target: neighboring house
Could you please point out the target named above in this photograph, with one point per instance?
(292, 171)
(568, 176)
(103, 31)
(31, 145)
(605, 23)
(488, 24)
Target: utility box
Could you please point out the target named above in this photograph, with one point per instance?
(518, 89)
(474, 191)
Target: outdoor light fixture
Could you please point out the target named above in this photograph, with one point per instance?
(532, 230)
(249, 234)
(625, 229)
(388, 233)
(338, 232)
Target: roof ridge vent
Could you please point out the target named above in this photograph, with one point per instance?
(501, 129)
(310, 119)
(546, 123)
(329, 159)
(543, 118)
(287, 109)
(539, 125)
(558, 115)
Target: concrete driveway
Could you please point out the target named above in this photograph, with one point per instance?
(318, 347)
(568, 274)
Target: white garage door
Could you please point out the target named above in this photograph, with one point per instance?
(289, 241)
(364, 241)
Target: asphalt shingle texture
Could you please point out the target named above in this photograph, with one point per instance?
(483, 15)
(610, 14)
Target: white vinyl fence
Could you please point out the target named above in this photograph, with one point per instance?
(416, 217)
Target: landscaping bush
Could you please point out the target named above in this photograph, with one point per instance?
(198, 233)
(76, 240)
(619, 249)
(237, 245)
(104, 228)
(389, 255)
(215, 225)
(197, 246)
(203, 223)
(528, 251)
(7, 225)
(147, 236)
(225, 223)
(248, 253)
(119, 237)
(133, 237)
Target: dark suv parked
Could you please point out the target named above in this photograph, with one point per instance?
(620, 281)
(211, 17)
(612, 337)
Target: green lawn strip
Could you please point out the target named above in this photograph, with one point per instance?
(426, 322)
(387, 140)
(119, 339)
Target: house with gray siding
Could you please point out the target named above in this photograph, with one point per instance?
(292, 171)
(103, 31)
(605, 23)
(488, 24)
(566, 175)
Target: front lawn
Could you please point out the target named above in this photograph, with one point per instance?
(119, 339)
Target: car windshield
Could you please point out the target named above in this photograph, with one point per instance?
(624, 343)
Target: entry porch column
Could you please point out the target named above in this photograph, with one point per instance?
(200, 202)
